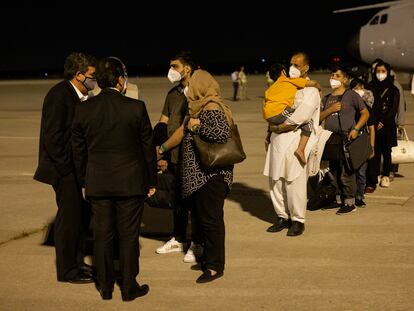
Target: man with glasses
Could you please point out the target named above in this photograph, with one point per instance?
(57, 169)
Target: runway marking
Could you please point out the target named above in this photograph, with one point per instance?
(394, 197)
(25, 174)
(19, 137)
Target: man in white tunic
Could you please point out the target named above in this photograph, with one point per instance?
(287, 177)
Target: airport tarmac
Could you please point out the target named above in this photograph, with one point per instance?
(363, 261)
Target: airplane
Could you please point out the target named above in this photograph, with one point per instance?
(387, 35)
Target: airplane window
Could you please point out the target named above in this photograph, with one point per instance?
(384, 19)
(374, 21)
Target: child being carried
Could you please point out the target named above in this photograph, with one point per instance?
(278, 103)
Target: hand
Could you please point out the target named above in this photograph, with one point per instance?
(352, 135)
(193, 122)
(275, 129)
(151, 192)
(372, 154)
(159, 153)
(162, 165)
(335, 107)
(380, 126)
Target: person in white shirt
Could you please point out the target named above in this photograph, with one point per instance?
(243, 84)
(235, 78)
(287, 177)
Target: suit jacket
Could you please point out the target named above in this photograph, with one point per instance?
(112, 145)
(55, 155)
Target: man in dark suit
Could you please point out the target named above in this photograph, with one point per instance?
(116, 161)
(56, 166)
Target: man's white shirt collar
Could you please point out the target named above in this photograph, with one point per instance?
(80, 95)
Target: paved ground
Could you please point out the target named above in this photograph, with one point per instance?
(362, 261)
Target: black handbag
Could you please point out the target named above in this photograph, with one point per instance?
(357, 151)
(164, 197)
(334, 147)
(214, 155)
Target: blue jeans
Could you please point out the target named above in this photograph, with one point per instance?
(361, 179)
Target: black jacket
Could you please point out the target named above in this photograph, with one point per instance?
(112, 145)
(55, 155)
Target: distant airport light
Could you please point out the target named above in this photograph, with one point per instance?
(336, 59)
(46, 74)
(402, 53)
(263, 60)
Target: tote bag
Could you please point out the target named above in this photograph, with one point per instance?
(221, 155)
(404, 151)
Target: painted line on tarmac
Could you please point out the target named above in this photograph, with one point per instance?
(18, 137)
(393, 197)
(25, 174)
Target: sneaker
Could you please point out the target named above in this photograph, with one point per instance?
(170, 247)
(359, 203)
(385, 182)
(194, 251)
(332, 205)
(346, 209)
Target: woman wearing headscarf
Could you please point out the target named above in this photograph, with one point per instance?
(385, 108)
(209, 118)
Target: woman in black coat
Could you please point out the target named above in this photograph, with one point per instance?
(385, 108)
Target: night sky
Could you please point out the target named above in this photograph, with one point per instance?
(36, 38)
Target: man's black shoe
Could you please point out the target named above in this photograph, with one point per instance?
(87, 268)
(138, 291)
(332, 205)
(81, 277)
(346, 209)
(279, 225)
(359, 203)
(297, 228)
(207, 276)
(105, 292)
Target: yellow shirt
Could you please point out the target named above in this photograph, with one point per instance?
(280, 95)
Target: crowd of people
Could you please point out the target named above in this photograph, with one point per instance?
(103, 158)
(99, 155)
(354, 106)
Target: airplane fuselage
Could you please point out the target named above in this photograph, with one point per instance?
(389, 36)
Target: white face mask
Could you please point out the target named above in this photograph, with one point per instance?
(294, 72)
(360, 92)
(335, 83)
(174, 75)
(185, 91)
(381, 76)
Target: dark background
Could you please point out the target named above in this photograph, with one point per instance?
(37, 37)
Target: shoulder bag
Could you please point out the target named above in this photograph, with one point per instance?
(221, 155)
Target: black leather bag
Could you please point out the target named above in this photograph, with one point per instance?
(164, 197)
(221, 155)
(357, 151)
(333, 150)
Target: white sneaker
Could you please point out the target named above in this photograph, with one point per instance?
(170, 247)
(385, 182)
(194, 251)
